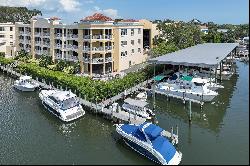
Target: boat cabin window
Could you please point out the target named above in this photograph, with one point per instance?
(69, 103)
(53, 99)
(198, 84)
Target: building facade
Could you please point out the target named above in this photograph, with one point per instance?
(100, 46)
(7, 39)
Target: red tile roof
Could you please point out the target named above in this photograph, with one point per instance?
(55, 18)
(97, 17)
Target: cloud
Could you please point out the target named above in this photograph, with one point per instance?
(70, 5)
(113, 13)
(23, 3)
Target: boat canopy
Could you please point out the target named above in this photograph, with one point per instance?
(152, 131)
(159, 77)
(135, 102)
(164, 147)
(63, 95)
(186, 78)
(25, 78)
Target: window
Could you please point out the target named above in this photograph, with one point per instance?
(132, 42)
(133, 50)
(139, 41)
(1, 28)
(139, 30)
(1, 36)
(11, 43)
(11, 36)
(123, 54)
(123, 43)
(132, 32)
(139, 49)
(11, 28)
(129, 63)
(124, 32)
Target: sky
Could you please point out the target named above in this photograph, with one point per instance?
(217, 11)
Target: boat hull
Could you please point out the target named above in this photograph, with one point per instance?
(24, 89)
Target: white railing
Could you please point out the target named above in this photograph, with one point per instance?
(37, 34)
(45, 52)
(21, 32)
(58, 45)
(38, 52)
(46, 34)
(70, 46)
(108, 36)
(74, 58)
(46, 44)
(58, 56)
(86, 36)
(86, 48)
(108, 59)
(97, 37)
(97, 49)
(58, 35)
(21, 40)
(72, 36)
(108, 48)
(86, 60)
(97, 60)
(38, 42)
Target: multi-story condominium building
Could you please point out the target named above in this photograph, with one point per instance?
(7, 39)
(101, 45)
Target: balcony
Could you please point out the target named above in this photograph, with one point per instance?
(86, 60)
(72, 47)
(58, 35)
(45, 52)
(46, 44)
(38, 42)
(86, 48)
(97, 49)
(21, 32)
(108, 37)
(58, 56)
(21, 40)
(37, 34)
(108, 59)
(39, 52)
(108, 48)
(72, 58)
(97, 37)
(72, 36)
(46, 34)
(97, 60)
(59, 46)
(86, 37)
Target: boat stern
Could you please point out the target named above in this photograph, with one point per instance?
(72, 113)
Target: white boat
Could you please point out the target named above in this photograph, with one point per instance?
(194, 90)
(149, 140)
(142, 96)
(25, 84)
(137, 107)
(63, 104)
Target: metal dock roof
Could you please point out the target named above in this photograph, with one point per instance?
(201, 55)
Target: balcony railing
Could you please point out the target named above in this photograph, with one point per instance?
(37, 33)
(58, 45)
(86, 48)
(39, 52)
(46, 44)
(108, 59)
(21, 32)
(72, 58)
(38, 42)
(97, 37)
(45, 52)
(58, 35)
(21, 40)
(72, 36)
(86, 36)
(97, 49)
(74, 47)
(46, 34)
(108, 36)
(108, 48)
(97, 60)
(86, 60)
(58, 56)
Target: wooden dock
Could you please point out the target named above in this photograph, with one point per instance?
(100, 108)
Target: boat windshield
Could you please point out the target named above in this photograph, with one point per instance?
(199, 84)
(69, 103)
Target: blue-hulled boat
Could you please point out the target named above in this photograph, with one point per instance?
(148, 140)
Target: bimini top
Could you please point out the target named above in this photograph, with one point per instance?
(201, 55)
(134, 102)
(151, 130)
(63, 95)
(25, 78)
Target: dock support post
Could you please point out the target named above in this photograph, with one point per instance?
(190, 111)
(177, 132)
(172, 132)
(220, 71)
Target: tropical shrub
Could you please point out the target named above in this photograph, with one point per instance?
(45, 60)
(6, 61)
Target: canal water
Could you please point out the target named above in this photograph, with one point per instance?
(218, 134)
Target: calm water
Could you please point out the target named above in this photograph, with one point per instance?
(219, 133)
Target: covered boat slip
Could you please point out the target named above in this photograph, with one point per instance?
(207, 55)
